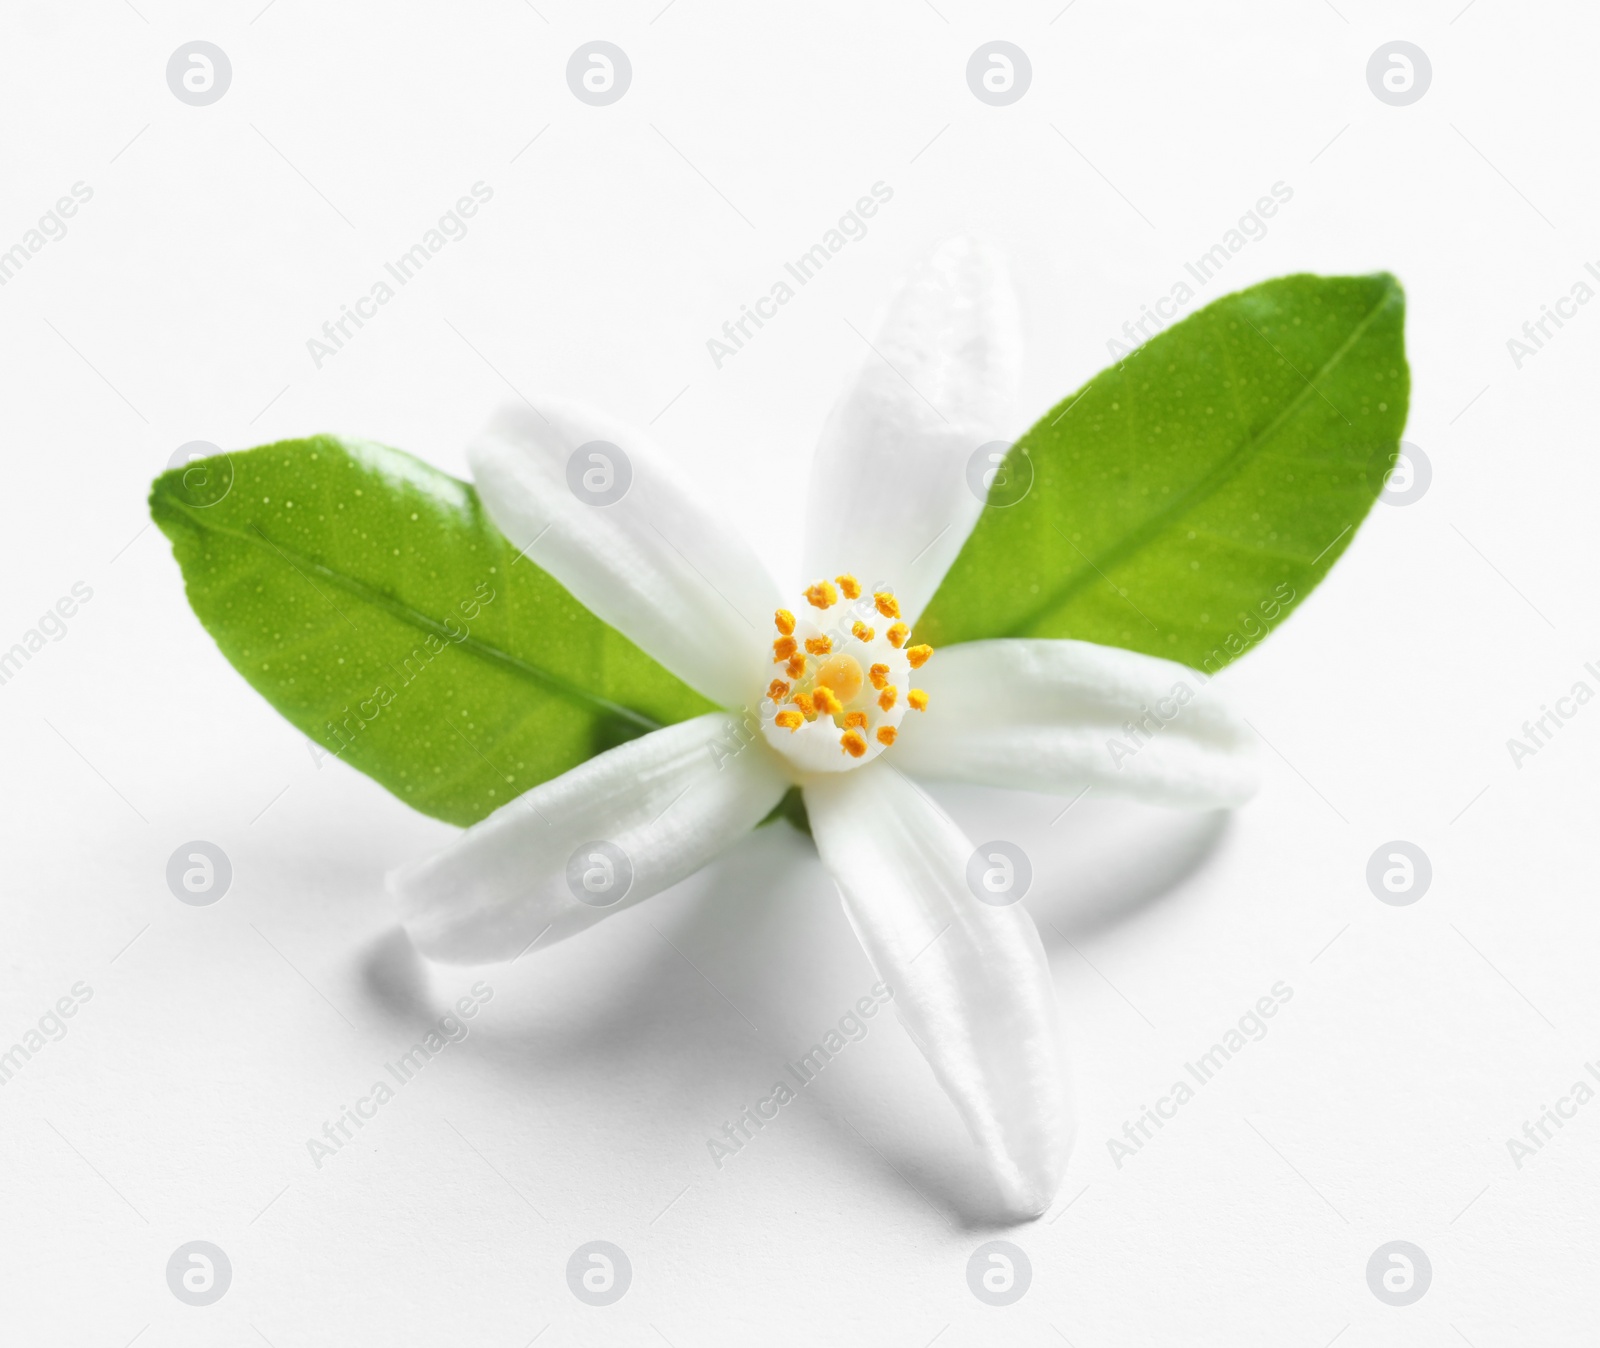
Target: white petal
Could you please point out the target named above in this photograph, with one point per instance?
(666, 571)
(889, 497)
(1057, 716)
(970, 981)
(670, 800)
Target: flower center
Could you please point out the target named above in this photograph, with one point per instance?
(844, 682)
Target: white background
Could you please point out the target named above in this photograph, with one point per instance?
(178, 307)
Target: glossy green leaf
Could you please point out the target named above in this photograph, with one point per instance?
(369, 599)
(1186, 499)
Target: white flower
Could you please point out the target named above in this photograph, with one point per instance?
(889, 504)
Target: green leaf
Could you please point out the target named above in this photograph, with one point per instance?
(1186, 499)
(369, 599)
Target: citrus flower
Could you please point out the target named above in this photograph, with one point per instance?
(826, 688)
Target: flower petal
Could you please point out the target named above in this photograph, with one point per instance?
(970, 981)
(1056, 716)
(890, 500)
(670, 801)
(657, 564)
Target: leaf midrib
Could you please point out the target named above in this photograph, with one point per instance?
(416, 618)
(1208, 486)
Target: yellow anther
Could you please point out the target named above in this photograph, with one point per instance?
(887, 698)
(886, 735)
(841, 676)
(855, 720)
(822, 594)
(803, 701)
(790, 720)
(917, 656)
(819, 645)
(783, 648)
(897, 635)
(824, 701)
(879, 674)
(850, 585)
(777, 690)
(784, 620)
(796, 666)
(918, 699)
(861, 632)
(887, 604)
(852, 743)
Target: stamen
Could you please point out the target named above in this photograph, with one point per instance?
(822, 594)
(861, 632)
(897, 635)
(879, 674)
(917, 656)
(777, 690)
(785, 621)
(791, 721)
(819, 645)
(886, 735)
(917, 699)
(856, 720)
(783, 648)
(850, 585)
(825, 702)
(887, 604)
(796, 667)
(887, 698)
(853, 744)
(803, 701)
